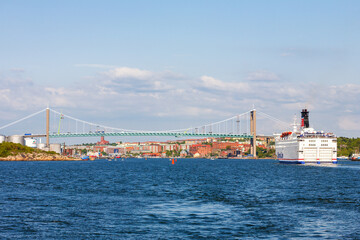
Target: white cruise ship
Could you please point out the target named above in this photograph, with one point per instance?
(305, 145)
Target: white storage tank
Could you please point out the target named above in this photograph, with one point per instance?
(30, 142)
(2, 138)
(56, 147)
(16, 139)
(41, 146)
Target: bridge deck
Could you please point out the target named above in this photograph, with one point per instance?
(175, 134)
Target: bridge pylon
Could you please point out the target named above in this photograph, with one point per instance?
(47, 126)
(253, 132)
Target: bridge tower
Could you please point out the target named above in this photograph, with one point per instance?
(253, 132)
(47, 126)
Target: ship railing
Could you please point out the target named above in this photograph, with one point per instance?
(314, 135)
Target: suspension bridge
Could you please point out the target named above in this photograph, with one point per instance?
(239, 126)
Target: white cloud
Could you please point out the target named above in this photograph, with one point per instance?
(349, 123)
(191, 111)
(125, 72)
(211, 82)
(125, 91)
(347, 89)
(4, 95)
(215, 84)
(125, 79)
(262, 76)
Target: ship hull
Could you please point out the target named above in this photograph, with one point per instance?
(307, 150)
(302, 161)
(291, 161)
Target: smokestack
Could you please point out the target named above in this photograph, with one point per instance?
(305, 118)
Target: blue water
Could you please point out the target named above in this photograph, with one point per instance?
(193, 199)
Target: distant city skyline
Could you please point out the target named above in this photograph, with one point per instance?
(175, 64)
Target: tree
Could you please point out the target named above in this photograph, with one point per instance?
(348, 146)
(265, 153)
(169, 153)
(214, 154)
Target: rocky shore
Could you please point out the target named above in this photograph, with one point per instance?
(38, 157)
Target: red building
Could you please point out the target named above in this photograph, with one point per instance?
(225, 145)
(245, 147)
(155, 148)
(99, 148)
(202, 149)
(102, 141)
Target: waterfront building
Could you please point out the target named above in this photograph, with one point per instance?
(201, 150)
(102, 141)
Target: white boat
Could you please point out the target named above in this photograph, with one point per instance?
(305, 145)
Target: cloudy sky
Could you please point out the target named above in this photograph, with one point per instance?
(175, 64)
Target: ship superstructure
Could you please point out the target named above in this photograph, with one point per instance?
(305, 145)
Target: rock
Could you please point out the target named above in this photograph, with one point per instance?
(38, 157)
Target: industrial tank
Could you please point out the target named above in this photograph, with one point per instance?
(2, 138)
(30, 142)
(56, 147)
(16, 139)
(41, 146)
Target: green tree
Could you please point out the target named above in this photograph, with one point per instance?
(265, 153)
(169, 153)
(348, 146)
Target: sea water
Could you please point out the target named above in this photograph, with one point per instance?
(191, 199)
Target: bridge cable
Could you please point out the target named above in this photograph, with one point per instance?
(128, 130)
(274, 119)
(20, 120)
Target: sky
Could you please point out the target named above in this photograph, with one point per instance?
(157, 65)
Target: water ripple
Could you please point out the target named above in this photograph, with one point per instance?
(198, 199)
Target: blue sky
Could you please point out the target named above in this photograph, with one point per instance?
(174, 64)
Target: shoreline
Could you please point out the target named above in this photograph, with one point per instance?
(37, 157)
(37, 160)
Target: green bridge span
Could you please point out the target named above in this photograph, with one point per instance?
(175, 134)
